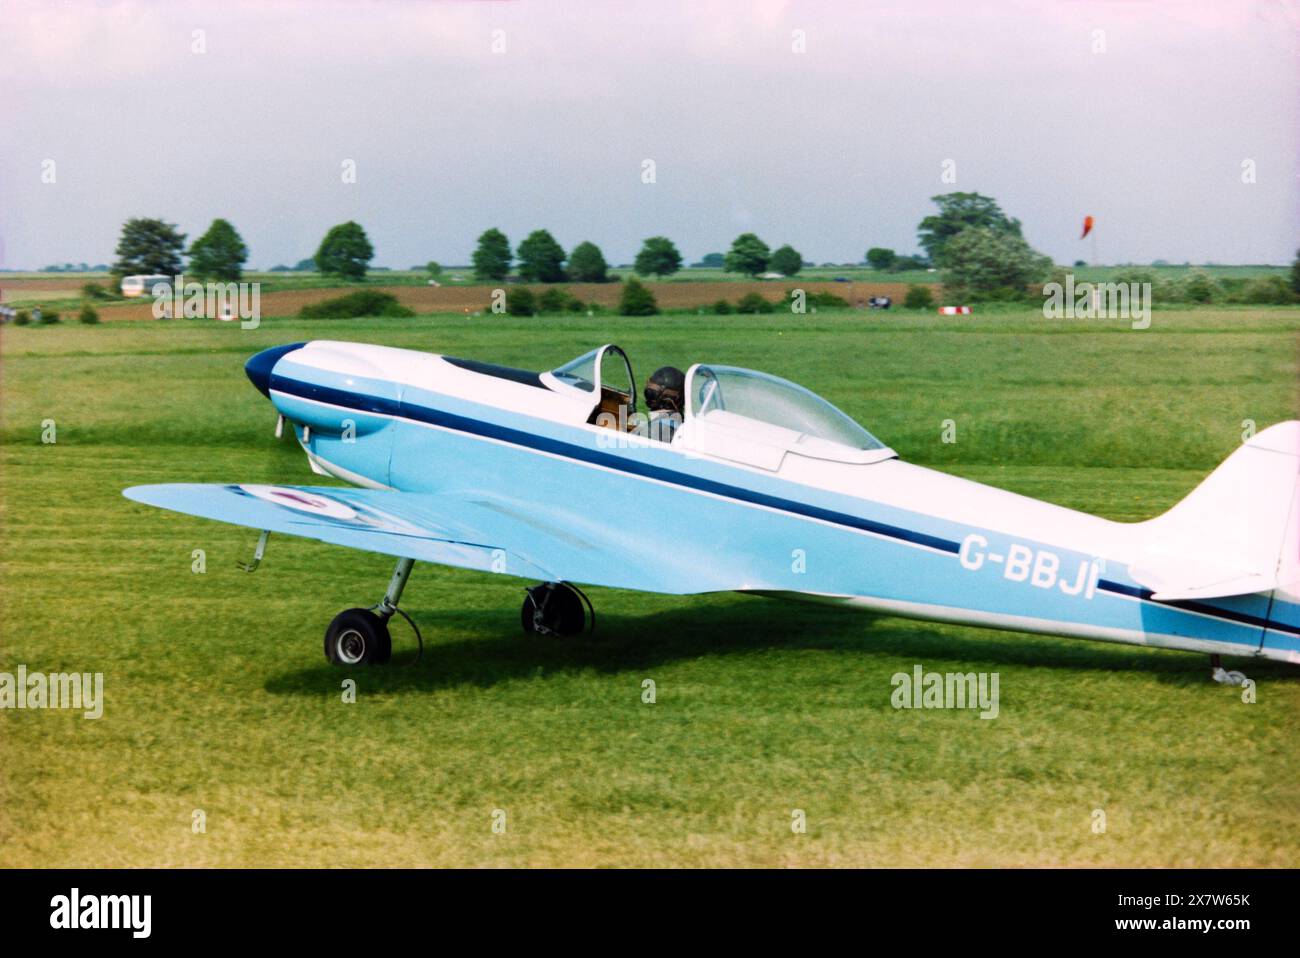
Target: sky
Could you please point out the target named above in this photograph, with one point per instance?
(827, 125)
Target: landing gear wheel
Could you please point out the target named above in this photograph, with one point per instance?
(1224, 677)
(555, 608)
(358, 637)
(1228, 678)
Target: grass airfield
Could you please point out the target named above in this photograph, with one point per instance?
(219, 699)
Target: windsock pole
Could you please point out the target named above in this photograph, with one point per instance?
(1096, 290)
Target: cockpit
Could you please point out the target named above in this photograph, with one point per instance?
(729, 412)
(603, 376)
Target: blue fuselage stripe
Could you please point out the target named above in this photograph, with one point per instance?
(435, 417)
(1188, 605)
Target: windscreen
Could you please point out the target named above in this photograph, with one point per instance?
(580, 372)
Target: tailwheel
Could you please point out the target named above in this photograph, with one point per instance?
(1223, 676)
(358, 637)
(556, 608)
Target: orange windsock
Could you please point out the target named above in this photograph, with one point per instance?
(1087, 226)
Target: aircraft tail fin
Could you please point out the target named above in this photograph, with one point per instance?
(1232, 535)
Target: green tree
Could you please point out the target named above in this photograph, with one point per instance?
(219, 253)
(658, 257)
(786, 260)
(880, 257)
(637, 299)
(712, 261)
(918, 297)
(1200, 287)
(587, 264)
(303, 266)
(433, 268)
(360, 302)
(541, 259)
(754, 303)
(520, 301)
(958, 212)
(345, 251)
(148, 247)
(1295, 274)
(557, 299)
(983, 262)
(492, 257)
(1264, 290)
(748, 255)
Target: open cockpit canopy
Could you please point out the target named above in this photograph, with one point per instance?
(768, 406)
(734, 413)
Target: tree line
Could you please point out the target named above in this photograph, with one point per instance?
(978, 247)
(541, 259)
(154, 246)
(965, 222)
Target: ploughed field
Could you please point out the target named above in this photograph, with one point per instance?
(217, 699)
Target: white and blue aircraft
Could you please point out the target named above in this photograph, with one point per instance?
(763, 487)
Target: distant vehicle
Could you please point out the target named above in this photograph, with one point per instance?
(771, 275)
(842, 279)
(138, 285)
(880, 302)
(434, 282)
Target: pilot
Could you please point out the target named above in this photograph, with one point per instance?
(665, 395)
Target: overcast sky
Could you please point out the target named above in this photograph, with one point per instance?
(833, 149)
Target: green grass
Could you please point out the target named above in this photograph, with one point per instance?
(218, 696)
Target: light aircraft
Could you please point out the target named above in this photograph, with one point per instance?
(763, 487)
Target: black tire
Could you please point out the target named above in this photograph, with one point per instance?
(358, 637)
(562, 610)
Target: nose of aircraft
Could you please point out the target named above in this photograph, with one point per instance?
(259, 366)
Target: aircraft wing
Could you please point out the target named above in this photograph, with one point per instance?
(458, 529)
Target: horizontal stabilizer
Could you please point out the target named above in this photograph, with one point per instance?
(1181, 580)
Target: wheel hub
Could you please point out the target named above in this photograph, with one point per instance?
(351, 646)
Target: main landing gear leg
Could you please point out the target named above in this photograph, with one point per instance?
(1222, 677)
(360, 636)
